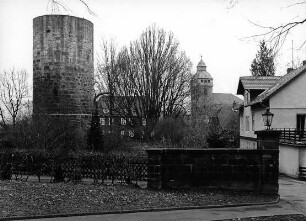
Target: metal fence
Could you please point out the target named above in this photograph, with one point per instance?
(98, 168)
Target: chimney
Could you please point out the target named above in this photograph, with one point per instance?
(289, 69)
(304, 62)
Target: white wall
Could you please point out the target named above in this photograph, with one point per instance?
(303, 157)
(289, 160)
(291, 95)
(288, 102)
(248, 111)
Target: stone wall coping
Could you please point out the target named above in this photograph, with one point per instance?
(268, 132)
(210, 150)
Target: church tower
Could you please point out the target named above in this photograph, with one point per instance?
(201, 87)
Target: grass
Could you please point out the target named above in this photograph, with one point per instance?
(32, 198)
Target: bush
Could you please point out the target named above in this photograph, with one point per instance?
(47, 133)
(170, 131)
(195, 132)
(94, 135)
(112, 142)
(72, 166)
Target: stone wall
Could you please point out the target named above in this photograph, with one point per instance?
(62, 65)
(254, 170)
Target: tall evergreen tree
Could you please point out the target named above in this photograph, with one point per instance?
(263, 64)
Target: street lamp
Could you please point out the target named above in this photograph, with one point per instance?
(267, 118)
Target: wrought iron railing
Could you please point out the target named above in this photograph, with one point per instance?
(292, 136)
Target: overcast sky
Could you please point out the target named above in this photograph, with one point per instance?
(203, 27)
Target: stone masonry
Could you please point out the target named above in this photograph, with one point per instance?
(62, 66)
(252, 170)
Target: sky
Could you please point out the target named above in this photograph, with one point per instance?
(208, 28)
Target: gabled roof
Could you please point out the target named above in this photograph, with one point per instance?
(282, 82)
(224, 98)
(256, 83)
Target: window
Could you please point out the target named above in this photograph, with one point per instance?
(202, 80)
(144, 122)
(123, 121)
(300, 124)
(241, 123)
(102, 121)
(205, 91)
(110, 120)
(247, 123)
(253, 121)
(131, 133)
(246, 97)
(122, 133)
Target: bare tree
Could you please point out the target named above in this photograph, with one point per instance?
(57, 5)
(151, 76)
(276, 35)
(13, 92)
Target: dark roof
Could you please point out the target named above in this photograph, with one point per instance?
(256, 82)
(225, 98)
(282, 82)
(229, 120)
(120, 104)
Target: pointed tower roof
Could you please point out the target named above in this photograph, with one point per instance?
(201, 71)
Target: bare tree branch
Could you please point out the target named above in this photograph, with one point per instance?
(151, 76)
(13, 91)
(56, 5)
(276, 35)
(298, 3)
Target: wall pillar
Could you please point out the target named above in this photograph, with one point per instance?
(268, 139)
(155, 169)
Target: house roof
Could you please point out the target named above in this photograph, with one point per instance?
(278, 85)
(225, 98)
(256, 83)
(119, 108)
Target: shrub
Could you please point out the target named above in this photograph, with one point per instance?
(170, 130)
(195, 132)
(112, 142)
(94, 135)
(47, 133)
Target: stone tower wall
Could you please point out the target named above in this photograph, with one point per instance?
(200, 93)
(62, 65)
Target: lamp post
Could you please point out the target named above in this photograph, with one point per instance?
(267, 118)
(267, 139)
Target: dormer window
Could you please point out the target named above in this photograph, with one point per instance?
(202, 80)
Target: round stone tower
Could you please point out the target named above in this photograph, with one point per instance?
(201, 86)
(63, 65)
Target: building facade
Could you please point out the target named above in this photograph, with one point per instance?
(285, 97)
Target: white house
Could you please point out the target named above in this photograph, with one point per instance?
(286, 98)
